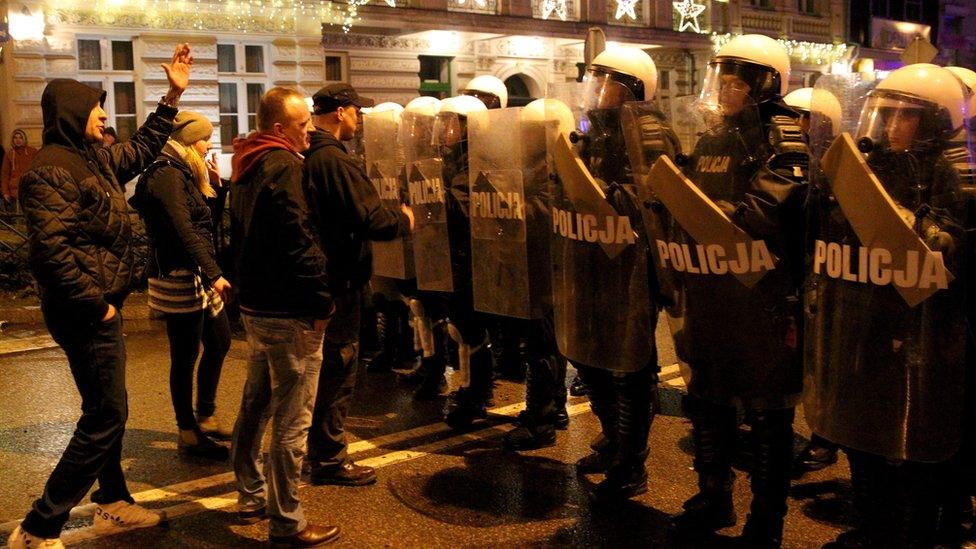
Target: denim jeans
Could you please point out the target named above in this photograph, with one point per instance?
(96, 356)
(285, 356)
(327, 437)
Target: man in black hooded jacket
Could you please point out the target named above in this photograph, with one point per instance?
(348, 212)
(81, 256)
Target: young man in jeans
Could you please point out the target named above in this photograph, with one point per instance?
(80, 239)
(285, 303)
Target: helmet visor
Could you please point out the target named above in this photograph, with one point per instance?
(490, 100)
(729, 81)
(449, 130)
(902, 123)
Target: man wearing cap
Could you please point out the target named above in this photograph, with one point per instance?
(348, 211)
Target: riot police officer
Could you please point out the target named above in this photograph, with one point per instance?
(612, 347)
(467, 327)
(749, 161)
(886, 361)
(428, 308)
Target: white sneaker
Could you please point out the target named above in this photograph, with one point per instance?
(122, 515)
(20, 539)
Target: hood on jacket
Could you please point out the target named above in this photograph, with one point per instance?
(321, 139)
(66, 105)
(249, 150)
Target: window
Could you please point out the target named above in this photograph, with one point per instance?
(243, 80)
(333, 68)
(807, 6)
(89, 55)
(226, 58)
(93, 52)
(664, 80)
(107, 64)
(435, 76)
(898, 10)
(761, 3)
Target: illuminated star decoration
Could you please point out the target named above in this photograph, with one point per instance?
(689, 12)
(557, 6)
(626, 7)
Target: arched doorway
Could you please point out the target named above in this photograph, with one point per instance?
(518, 91)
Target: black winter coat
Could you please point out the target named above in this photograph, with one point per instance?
(80, 234)
(347, 209)
(177, 218)
(280, 268)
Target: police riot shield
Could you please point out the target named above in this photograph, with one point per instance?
(601, 298)
(427, 195)
(886, 323)
(385, 166)
(721, 275)
(509, 214)
(835, 107)
(649, 136)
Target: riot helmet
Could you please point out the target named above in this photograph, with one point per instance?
(416, 126)
(816, 106)
(388, 106)
(424, 105)
(489, 89)
(749, 69)
(450, 126)
(550, 110)
(618, 75)
(968, 78)
(919, 107)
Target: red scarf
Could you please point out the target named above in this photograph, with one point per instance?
(249, 150)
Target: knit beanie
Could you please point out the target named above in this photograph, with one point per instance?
(190, 127)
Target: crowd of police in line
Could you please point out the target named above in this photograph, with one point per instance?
(808, 246)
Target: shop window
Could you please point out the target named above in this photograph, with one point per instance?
(89, 55)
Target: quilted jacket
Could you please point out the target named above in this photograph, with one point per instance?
(80, 234)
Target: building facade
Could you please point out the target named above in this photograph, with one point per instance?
(393, 50)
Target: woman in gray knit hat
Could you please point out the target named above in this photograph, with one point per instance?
(185, 283)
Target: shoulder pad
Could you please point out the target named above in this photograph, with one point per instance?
(658, 138)
(791, 156)
(964, 164)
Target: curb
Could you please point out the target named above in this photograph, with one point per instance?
(136, 312)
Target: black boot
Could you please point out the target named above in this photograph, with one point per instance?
(915, 517)
(772, 448)
(635, 393)
(714, 431)
(537, 424)
(864, 482)
(562, 415)
(600, 459)
(577, 387)
(386, 336)
(604, 404)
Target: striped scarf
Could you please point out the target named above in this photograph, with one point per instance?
(182, 291)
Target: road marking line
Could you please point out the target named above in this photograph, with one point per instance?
(188, 487)
(214, 503)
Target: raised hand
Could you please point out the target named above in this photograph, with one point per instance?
(178, 71)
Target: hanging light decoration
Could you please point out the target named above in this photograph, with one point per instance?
(817, 53)
(240, 15)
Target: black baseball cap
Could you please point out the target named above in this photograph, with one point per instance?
(338, 95)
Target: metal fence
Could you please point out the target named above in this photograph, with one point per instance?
(15, 272)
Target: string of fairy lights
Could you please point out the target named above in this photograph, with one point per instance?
(243, 15)
(818, 53)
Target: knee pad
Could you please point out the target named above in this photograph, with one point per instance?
(464, 354)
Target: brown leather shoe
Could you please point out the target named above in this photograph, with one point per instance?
(311, 536)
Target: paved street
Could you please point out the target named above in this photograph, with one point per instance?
(436, 488)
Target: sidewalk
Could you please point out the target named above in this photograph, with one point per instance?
(22, 324)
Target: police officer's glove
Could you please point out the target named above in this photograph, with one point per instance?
(907, 215)
(939, 241)
(727, 208)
